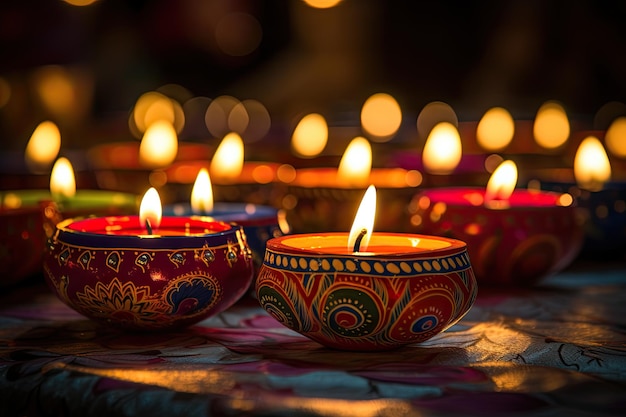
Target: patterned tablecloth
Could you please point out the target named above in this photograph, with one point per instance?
(556, 349)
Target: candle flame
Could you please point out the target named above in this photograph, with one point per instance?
(442, 150)
(551, 128)
(159, 145)
(356, 164)
(615, 137)
(381, 116)
(151, 209)
(44, 146)
(502, 182)
(62, 181)
(591, 165)
(364, 220)
(310, 136)
(495, 130)
(227, 162)
(202, 193)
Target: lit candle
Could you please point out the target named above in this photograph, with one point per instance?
(320, 198)
(601, 198)
(514, 236)
(259, 222)
(148, 272)
(366, 290)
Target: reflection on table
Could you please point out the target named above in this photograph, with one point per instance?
(559, 348)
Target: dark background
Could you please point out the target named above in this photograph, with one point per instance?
(472, 55)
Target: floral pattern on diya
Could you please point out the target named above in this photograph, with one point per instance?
(371, 304)
(149, 288)
(124, 302)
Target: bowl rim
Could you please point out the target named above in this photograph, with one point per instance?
(231, 233)
(455, 246)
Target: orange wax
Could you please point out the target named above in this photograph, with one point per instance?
(380, 244)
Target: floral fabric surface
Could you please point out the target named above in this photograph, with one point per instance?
(555, 349)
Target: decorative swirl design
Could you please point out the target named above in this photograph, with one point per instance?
(192, 295)
(351, 312)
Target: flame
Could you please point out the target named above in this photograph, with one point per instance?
(62, 182)
(44, 145)
(442, 150)
(502, 182)
(150, 209)
(591, 165)
(202, 193)
(227, 162)
(310, 136)
(381, 116)
(495, 130)
(551, 128)
(322, 4)
(356, 163)
(364, 220)
(159, 145)
(433, 113)
(615, 138)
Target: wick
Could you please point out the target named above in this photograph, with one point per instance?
(359, 238)
(148, 226)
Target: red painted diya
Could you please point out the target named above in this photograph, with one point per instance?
(515, 242)
(23, 235)
(110, 270)
(404, 289)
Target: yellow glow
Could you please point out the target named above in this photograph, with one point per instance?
(591, 165)
(565, 200)
(151, 209)
(322, 4)
(502, 182)
(381, 116)
(56, 88)
(432, 114)
(495, 129)
(551, 128)
(159, 145)
(62, 181)
(238, 119)
(152, 107)
(217, 115)
(44, 145)
(310, 136)
(364, 220)
(356, 163)
(442, 150)
(80, 2)
(615, 138)
(202, 193)
(227, 162)
(258, 121)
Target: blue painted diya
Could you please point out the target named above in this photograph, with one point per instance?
(110, 270)
(259, 222)
(405, 289)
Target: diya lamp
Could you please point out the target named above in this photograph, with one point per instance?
(156, 120)
(71, 202)
(319, 199)
(602, 200)
(233, 179)
(24, 230)
(28, 216)
(514, 236)
(259, 222)
(30, 168)
(366, 291)
(148, 272)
